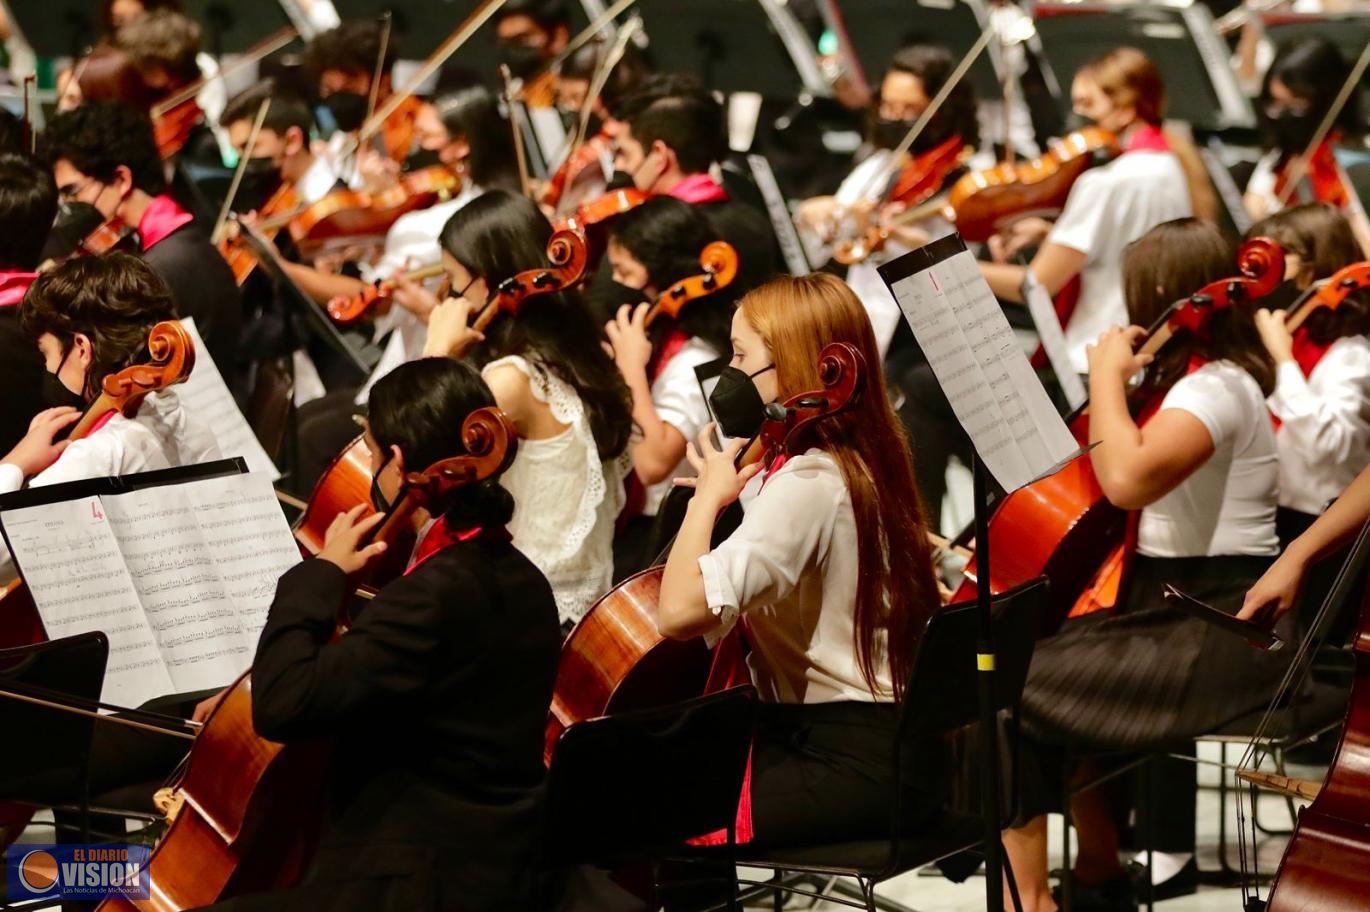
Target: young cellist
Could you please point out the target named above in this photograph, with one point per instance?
(830, 573)
(550, 375)
(435, 698)
(649, 248)
(1202, 472)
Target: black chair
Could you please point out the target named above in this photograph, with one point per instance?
(54, 763)
(606, 802)
(943, 701)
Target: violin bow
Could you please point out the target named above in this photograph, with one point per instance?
(520, 153)
(444, 51)
(268, 45)
(586, 35)
(387, 22)
(602, 72)
(217, 235)
(1300, 166)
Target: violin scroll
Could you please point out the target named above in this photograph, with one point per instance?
(491, 444)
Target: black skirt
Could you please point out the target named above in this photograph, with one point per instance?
(1150, 675)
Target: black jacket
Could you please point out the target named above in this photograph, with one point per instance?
(203, 287)
(436, 701)
(22, 397)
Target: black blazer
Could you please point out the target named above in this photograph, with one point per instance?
(203, 287)
(436, 701)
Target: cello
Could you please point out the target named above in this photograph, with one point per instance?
(1063, 526)
(347, 481)
(615, 659)
(249, 811)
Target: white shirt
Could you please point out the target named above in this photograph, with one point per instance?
(1108, 208)
(566, 499)
(318, 180)
(792, 568)
(411, 243)
(1324, 435)
(679, 402)
(1227, 506)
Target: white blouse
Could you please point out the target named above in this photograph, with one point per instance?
(1324, 435)
(566, 499)
(791, 570)
(1227, 505)
(679, 402)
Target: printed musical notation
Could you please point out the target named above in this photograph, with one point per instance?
(180, 577)
(207, 397)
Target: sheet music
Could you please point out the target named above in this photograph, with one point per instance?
(201, 639)
(1053, 339)
(242, 524)
(987, 379)
(207, 397)
(79, 583)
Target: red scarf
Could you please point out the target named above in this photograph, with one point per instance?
(439, 537)
(162, 217)
(14, 285)
(1147, 138)
(699, 188)
(670, 347)
(1308, 353)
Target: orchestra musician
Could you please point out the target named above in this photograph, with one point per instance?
(1296, 95)
(1203, 473)
(529, 35)
(1322, 378)
(28, 205)
(649, 249)
(560, 389)
(829, 576)
(282, 153)
(104, 154)
(91, 317)
(436, 697)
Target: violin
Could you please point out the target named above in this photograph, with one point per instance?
(238, 254)
(598, 211)
(347, 481)
(111, 234)
(172, 126)
(615, 659)
(1063, 526)
(251, 810)
(357, 213)
(982, 202)
(576, 164)
(349, 310)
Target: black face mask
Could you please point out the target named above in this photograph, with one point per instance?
(888, 134)
(75, 220)
(522, 60)
(616, 294)
(570, 122)
(620, 180)
(378, 499)
(261, 177)
(1282, 296)
(423, 158)
(737, 403)
(1292, 132)
(54, 392)
(348, 109)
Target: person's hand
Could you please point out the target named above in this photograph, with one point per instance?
(449, 332)
(628, 342)
(911, 235)
(717, 481)
(37, 450)
(1275, 592)
(206, 706)
(378, 172)
(413, 297)
(1114, 353)
(817, 213)
(1026, 232)
(1276, 338)
(342, 542)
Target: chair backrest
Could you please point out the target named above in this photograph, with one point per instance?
(51, 764)
(271, 404)
(624, 785)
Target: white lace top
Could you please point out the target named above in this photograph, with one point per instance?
(566, 498)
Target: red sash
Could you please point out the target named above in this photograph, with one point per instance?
(699, 188)
(162, 216)
(440, 537)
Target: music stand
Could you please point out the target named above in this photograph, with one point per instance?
(1180, 40)
(418, 28)
(733, 45)
(878, 28)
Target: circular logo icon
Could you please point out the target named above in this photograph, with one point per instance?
(38, 871)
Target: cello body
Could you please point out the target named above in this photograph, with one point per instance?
(1326, 865)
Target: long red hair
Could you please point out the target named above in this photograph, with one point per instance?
(896, 591)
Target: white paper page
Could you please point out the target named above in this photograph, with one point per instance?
(243, 525)
(174, 570)
(987, 379)
(206, 396)
(75, 571)
(1053, 339)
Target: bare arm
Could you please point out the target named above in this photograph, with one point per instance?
(322, 286)
(1054, 266)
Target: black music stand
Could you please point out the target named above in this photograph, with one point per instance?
(732, 45)
(878, 28)
(1180, 40)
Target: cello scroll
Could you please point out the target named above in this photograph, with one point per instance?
(172, 357)
(719, 262)
(842, 370)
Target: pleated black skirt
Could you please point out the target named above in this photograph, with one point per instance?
(1150, 675)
